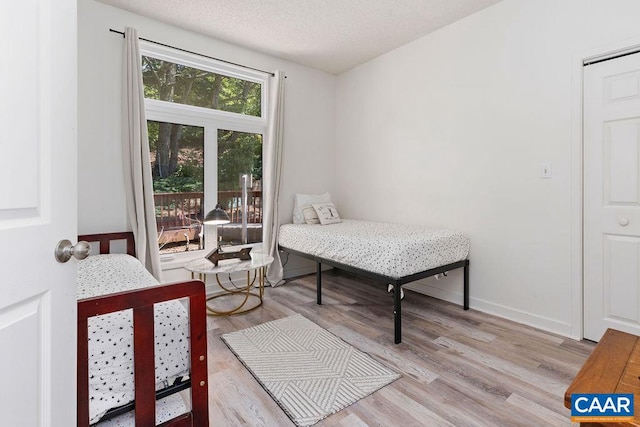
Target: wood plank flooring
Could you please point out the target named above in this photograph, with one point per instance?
(459, 368)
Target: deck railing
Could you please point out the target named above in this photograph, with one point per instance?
(179, 215)
(231, 202)
(178, 210)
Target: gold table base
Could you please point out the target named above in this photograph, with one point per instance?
(249, 291)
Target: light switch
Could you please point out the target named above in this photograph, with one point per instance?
(545, 170)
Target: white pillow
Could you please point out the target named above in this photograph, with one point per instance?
(327, 213)
(310, 215)
(302, 201)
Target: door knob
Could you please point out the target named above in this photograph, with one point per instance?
(65, 250)
(623, 221)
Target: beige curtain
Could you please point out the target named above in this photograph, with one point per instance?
(273, 174)
(137, 164)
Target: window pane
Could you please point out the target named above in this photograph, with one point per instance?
(177, 164)
(240, 153)
(167, 81)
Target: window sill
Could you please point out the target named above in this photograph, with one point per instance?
(180, 259)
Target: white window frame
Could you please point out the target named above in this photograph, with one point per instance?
(212, 120)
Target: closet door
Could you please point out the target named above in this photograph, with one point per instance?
(38, 189)
(612, 196)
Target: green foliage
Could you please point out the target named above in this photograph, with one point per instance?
(176, 184)
(178, 83)
(153, 129)
(178, 150)
(186, 178)
(238, 153)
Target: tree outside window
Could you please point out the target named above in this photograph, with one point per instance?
(179, 153)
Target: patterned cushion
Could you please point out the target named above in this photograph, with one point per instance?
(327, 213)
(302, 201)
(310, 215)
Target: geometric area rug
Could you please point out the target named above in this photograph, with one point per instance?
(306, 369)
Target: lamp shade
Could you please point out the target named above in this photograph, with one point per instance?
(217, 216)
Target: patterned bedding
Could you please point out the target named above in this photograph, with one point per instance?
(391, 250)
(111, 339)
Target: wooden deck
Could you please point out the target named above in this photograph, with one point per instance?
(179, 215)
(459, 368)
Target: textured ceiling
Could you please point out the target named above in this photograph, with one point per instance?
(329, 35)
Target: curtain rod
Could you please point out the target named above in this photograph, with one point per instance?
(195, 53)
(620, 55)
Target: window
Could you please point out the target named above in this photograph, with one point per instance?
(177, 159)
(172, 82)
(240, 153)
(206, 123)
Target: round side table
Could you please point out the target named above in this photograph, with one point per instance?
(255, 272)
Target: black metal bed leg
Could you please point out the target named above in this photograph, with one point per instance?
(397, 317)
(319, 283)
(466, 285)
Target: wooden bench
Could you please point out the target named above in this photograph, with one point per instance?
(612, 367)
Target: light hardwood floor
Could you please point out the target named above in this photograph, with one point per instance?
(459, 368)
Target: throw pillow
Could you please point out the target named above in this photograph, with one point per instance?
(302, 201)
(327, 213)
(310, 215)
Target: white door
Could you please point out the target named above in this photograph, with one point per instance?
(612, 196)
(38, 86)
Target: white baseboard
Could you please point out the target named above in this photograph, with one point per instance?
(424, 287)
(455, 296)
(296, 266)
(524, 317)
(301, 270)
(450, 290)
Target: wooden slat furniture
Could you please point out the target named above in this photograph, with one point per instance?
(105, 239)
(612, 367)
(142, 302)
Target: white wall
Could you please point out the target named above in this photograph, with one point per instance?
(451, 130)
(309, 114)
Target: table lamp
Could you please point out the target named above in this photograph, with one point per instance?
(217, 217)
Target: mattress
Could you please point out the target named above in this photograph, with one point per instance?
(111, 379)
(391, 250)
(166, 409)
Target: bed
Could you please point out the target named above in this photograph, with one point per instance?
(392, 254)
(156, 344)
